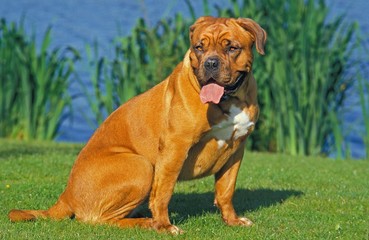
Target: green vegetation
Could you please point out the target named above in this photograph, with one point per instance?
(364, 102)
(303, 79)
(363, 89)
(287, 197)
(33, 84)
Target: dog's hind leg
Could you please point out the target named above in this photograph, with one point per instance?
(128, 192)
(108, 190)
(101, 191)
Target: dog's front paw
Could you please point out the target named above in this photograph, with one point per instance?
(242, 221)
(171, 229)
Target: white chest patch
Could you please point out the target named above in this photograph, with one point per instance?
(236, 125)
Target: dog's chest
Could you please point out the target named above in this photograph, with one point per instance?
(235, 125)
(214, 149)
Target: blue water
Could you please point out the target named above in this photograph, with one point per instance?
(78, 22)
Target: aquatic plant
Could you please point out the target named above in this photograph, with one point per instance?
(33, 84)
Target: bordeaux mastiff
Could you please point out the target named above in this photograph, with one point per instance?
(191, 125)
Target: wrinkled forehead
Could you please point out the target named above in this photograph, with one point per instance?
(218, 32)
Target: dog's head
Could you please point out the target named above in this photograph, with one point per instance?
(221, 54)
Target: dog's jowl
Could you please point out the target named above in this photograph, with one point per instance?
(193, 124)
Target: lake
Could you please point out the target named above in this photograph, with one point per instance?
(77, 22)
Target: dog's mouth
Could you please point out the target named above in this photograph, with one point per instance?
(213, 92)
(230, 89)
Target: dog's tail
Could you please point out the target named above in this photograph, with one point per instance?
(60, 210)
(16, 215)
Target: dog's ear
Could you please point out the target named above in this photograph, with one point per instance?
(200, 21)
(257, 32)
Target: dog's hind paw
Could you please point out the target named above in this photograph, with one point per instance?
(174, 230)
(242, 221)
(245, 222)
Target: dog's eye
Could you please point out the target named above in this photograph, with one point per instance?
(199, 48)
(232, 49)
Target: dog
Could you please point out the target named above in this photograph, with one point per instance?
(191, 125)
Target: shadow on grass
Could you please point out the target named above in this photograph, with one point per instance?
(194, 204)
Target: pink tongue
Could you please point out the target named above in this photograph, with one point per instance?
(211, 93)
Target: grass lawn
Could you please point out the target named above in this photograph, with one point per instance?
(286, 197)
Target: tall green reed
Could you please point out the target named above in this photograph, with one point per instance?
(33, 84)
(302, 79)
(104, 99)
(362, 87)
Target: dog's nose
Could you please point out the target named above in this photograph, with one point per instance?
(211, 64)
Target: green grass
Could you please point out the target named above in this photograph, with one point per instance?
(287, 198)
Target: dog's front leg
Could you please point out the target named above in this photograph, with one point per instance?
(167, 170)
(225, 182)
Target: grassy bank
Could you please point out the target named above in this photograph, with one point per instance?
(287, 198)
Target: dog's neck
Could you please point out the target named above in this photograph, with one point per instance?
(188, 70)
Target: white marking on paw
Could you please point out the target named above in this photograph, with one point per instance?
(246, 222)
(175, 230)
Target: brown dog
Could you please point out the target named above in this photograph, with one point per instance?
(191, 125)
